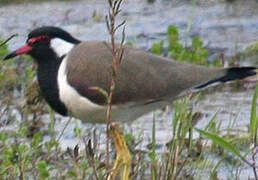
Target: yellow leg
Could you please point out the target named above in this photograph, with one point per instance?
(123, 156)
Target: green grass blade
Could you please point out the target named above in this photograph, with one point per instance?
(224, 144)
(253, 127)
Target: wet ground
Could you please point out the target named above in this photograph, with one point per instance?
(225, 28)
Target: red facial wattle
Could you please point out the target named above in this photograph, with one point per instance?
(42, 38)
(27, 48)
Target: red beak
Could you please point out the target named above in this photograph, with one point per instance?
(22, 50)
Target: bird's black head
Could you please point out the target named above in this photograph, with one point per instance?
(39, 42)
(52, 32)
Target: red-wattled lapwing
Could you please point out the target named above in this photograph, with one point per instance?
(68, 76)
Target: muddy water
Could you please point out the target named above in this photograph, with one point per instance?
(225, 28)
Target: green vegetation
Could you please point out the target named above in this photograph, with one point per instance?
(195, 54)
(32, 149)
(253, 127)
(252, 50)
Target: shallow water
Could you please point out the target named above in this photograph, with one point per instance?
(225, 28)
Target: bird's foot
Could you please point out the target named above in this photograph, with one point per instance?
(123, 156)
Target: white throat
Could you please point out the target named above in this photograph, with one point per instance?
(61, 47)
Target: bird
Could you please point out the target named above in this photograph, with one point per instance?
(69, 70)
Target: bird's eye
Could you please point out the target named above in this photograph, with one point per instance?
(45, 38)
(39, 39)
(32, 41)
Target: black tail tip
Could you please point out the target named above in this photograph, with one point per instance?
(239, 73)
(232, 74)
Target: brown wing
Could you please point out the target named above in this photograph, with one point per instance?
(142, 76)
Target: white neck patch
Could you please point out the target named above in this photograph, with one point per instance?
(61, 47)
